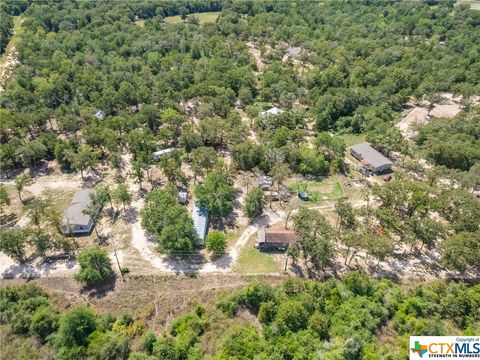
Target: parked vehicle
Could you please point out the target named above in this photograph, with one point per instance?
(387, 178)
(303, 196)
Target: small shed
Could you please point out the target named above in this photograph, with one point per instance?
(293, 52)
(182, 197)
(75, 221)
(271, 112)
(371, 159)
(161, 153)
(200, 222)
(274, 239)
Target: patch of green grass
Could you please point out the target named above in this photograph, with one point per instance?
(232, 237)
(251, 260)
(140, 23)
(204, 18)
(352, 139)
(14, 40)
(319, 190)
(59, 198)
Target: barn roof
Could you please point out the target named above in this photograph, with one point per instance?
(370, 155)
(200, 222)
(273, 236)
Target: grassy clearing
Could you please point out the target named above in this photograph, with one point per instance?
(232, 237)
(352, 139)
(319, 190)
(14, 40)
(474, 4)
(204, 18)
(59, 198)
(251, 260)
(140, 23)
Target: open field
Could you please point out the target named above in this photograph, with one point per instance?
(14, 40)
(319, 190)
(251, 260)
(474, 4)
(205, 17)
(352, 139)
(140, 23)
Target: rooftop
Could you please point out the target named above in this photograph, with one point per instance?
(74, 214)
(200, 222)
(276, 236)
(370, 155)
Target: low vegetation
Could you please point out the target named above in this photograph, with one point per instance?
(341, 318)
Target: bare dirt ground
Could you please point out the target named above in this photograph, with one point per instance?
(419, 114)
(10, 58)
(255, 52)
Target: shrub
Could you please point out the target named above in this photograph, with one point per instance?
(291, 316)
(216, 242)
(95, 266)
(149, 341)
(44, 323)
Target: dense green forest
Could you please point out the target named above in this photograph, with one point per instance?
(366, 59)
(356, 317)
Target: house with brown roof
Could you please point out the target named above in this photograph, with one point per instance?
(275, 239)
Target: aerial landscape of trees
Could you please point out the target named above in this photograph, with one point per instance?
(157, 107)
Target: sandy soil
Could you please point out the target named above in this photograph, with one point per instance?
(256, 53)
(418, 114)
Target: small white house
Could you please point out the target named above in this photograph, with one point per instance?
(75, 221)
(161, 153)
(272, 112)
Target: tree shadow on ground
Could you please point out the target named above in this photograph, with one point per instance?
(225, 224)
(130, 216)
(100, 290)
(40, 169)
(7, 220)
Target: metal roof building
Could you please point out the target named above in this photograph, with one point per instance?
(75, 221)
(200, 222)
(271, 239)
(160, 153)
(371, 158)
(273, 111)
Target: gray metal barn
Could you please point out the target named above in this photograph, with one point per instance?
(371, 159)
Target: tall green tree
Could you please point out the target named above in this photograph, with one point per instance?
(216, 242)
(21, 182)
(84, 158)
(315, 237)
(12, 243)
(217, 193)
(95, 266)
(254, 204)
(169, 222)
(121, 195)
